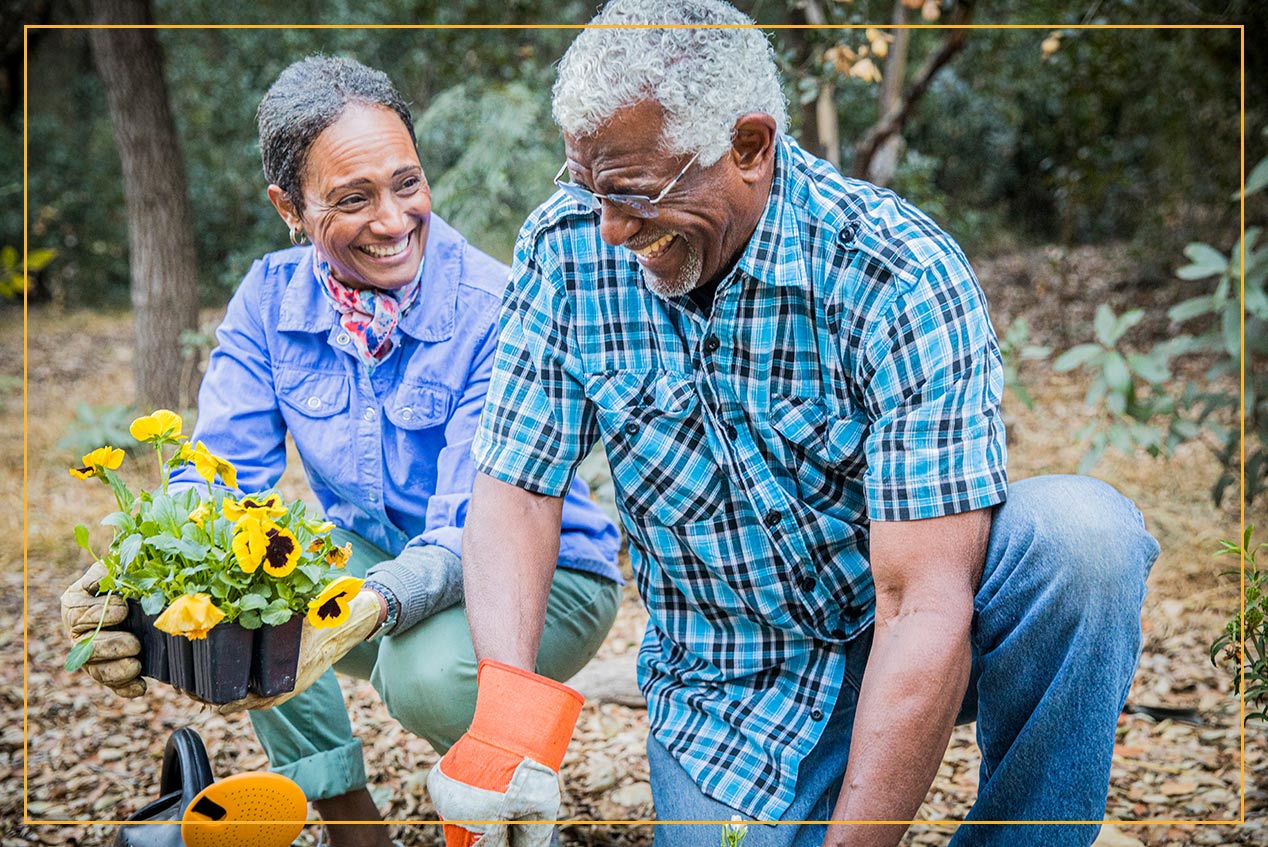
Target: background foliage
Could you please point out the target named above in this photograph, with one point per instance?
(1116, 135)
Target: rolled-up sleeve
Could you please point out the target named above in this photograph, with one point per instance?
(933, 382)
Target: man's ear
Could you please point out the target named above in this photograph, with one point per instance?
(285, 208)
(753, 146)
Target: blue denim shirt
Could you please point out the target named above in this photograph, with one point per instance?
(387, 454)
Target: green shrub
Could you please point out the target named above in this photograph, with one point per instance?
(1248, 656)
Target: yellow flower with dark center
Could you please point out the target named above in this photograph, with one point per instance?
(208, 465)
(282, 553)
(330, 608)
(270, 506)
(201, 514)
(251, 542)
(338, 557)
(190, 615)
(103, 457)
(162, 425)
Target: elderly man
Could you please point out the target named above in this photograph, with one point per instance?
(797, 384)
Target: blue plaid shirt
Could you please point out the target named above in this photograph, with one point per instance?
(847, 372)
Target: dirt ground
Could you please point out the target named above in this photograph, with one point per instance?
(76, 755)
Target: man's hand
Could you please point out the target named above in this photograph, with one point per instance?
(319, 649)
(114, 661)
(506, 766)
(926, 574)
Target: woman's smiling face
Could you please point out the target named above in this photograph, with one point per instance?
(366, 199)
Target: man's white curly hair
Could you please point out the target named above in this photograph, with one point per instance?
(704, 79)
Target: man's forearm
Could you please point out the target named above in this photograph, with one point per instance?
(916, 676)
(509, 549)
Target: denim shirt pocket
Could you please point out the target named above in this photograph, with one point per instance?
(312, 393)
(655, 442)
(419, 406)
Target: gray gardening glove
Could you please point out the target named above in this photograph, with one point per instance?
(114, 661)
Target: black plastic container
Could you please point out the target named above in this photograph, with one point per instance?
(276, 659)
(222, 663)
(180, 662)
(153, 653)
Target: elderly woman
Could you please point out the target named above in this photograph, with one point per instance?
(372, 347)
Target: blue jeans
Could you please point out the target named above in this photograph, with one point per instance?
(1056, 638)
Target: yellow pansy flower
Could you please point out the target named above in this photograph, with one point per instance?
(338, 556)
(208, 465)
(190, 615)
(162, 425)
(270, 506)
(103, 457)
(282, 554)
(259, 541)
(330, 607)
(250, 542)
(200, 515)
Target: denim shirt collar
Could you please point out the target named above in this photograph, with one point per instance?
(304, 307)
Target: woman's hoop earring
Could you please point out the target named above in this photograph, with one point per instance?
(298, 236)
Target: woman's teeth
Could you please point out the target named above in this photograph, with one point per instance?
(651, 251)
(386, 251)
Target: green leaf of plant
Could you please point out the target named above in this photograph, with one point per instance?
(128, 549)
(1257, 180)
(80, 653)
(152, 604)
(249, 619)
(252, 601)
(275, 617)
(1104, 324)
(1080, 354)
(1190, 309)
(1150, 368)
(1205, 261)
(81, 536)
(1117, 375)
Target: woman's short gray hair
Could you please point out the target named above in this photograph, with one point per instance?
(704, 79)
(306, 98)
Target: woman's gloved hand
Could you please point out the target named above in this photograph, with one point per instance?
(114, 661)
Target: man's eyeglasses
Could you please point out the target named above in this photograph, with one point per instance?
(638, 205)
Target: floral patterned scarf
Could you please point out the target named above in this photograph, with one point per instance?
(369, 315)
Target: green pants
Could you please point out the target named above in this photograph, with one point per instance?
(426, 677)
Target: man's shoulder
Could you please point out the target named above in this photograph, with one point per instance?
(898, 238)
(559, 221)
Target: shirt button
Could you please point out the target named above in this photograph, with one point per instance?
(711, 344)
(314, 402)
(369, 415)
(807, 583)
(816, 714)
(772, 519)
(631, 428)
(407, 413)
(731, 431)
(342, 338)
(846, 236)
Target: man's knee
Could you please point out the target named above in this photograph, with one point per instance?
(1078, 532)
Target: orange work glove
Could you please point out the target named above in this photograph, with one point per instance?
(506, 767)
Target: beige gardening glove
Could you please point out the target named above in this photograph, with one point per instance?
(114, 661)
(319, 649)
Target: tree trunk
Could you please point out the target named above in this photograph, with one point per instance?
(885, 161)
(164, 267)
(891, 122)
